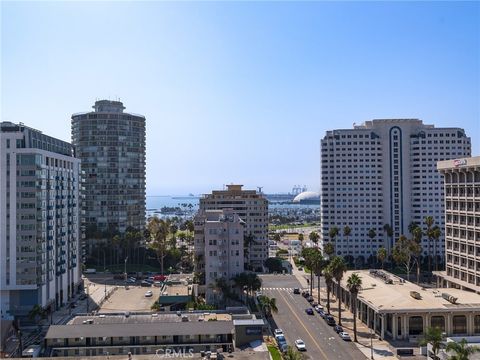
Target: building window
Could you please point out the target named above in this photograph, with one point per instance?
(460, 324)
(415, 325)
(476, 324)
(438, 322)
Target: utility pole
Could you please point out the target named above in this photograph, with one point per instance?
(371, 344)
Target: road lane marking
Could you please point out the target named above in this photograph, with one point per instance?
(301, 323)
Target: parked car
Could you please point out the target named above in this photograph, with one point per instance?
(145, 283)
(345, 336)
(309, 311)
(281, 340)
(157, 284)
(283, 348)
(277, 332)
(330, 320)
(149, 293)
(305, 294)
(338, 329)
(159, 278)
(318, 308)
(310, 299)
(300, 268)
(300, 345)
(314, 304)
(322, 313)
(296, 291)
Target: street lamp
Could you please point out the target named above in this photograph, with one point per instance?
(125, 270)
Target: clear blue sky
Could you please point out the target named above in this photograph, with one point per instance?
(241, 92)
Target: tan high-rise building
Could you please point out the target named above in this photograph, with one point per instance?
(252, 207)
(462, 223)
(384, 172)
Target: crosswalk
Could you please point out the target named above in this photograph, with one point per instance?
(278, 288)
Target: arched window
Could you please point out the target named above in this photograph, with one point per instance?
(476, 324)
(459, 324)
(415, 325)
(438, 321)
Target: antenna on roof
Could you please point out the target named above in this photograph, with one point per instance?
(260, 189)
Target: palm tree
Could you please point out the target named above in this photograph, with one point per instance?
(328, 249)
(339, 267)
(318, 263)
(382, 255)
(436, 233)
(268, 305)
(314, 237)
(292, 354)
(417, 238)
(346, 232)
(461, 349)
(354, 283)
(371, 234)
(429, 221)
(433, 335)
(333, 232)
(309, 254)
(248, 241)
(327, 274)
(254, 283)
(388, 230)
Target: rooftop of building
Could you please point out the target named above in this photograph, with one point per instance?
(396, 297)
(108, 106)
(153, 318)
(139, 329)
(234, 189)
(469, 162)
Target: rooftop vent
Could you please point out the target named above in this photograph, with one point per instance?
(450, 298)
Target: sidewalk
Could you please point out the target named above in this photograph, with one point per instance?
(381, 348)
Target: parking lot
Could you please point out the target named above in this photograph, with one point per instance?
(131, 299)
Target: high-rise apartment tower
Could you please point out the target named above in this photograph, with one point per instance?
(462, 223)
(40, 230)
(252, 207)
(384, 172)
(111, 146)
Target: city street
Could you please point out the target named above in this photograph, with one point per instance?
(321, 340)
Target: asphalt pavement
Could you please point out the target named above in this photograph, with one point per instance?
(321, 340)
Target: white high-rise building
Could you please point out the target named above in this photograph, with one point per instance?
(384, 172)
(40, 232)
(462, 225)
(219, 251)
(252, 207)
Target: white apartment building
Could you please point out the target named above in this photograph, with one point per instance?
(462, 223)
(252, 207)
(39, 220)
(384, 172)
(219, 249)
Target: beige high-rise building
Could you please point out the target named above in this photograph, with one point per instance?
(219, 249)
(462, 223)
(252, 207)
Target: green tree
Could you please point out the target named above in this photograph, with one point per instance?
(461, 350)
(433, 335)
(248, 241)
(382, 255)
(158, 230)
(354, 283)
(332, 233)
(318, 263)
(429, 221)
(338, 267)
(314, 237)
(37, 313)
(417, 234)
(388, 230)
(309, 254)
(274, 264)
(329, 249)
(403, 253)
(292, 354)
(268, 305)
(300, 237)
(347, 231)
(328, 275)
(277, 237)
(371, 234)
(436, 233)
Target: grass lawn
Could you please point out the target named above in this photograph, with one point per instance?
(288, 226)
(274, 352)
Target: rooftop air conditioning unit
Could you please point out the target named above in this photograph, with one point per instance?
(415, 295)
